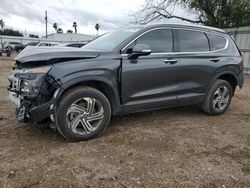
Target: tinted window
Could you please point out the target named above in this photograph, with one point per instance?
(193, 41)
(14, 43)
(32, 43)
(75, 45)
(160, 40)
(43, 44)
(216, 42)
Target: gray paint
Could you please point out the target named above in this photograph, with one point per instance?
(147, 82)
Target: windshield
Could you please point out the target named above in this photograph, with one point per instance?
(111, 40)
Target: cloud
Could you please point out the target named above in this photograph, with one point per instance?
(29, 14)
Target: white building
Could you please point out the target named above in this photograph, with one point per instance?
(69, 37)
(57, 37)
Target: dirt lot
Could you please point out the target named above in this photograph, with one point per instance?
(179, 147)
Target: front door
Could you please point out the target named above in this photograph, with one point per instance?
(151, 81)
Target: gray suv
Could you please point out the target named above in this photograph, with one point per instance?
(132, 69)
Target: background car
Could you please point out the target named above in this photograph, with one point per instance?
(32, 44)
(48, 44)
(16, 46)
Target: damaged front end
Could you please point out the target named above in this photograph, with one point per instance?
(33, 91)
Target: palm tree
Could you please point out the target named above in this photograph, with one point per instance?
(2, 24)
(55, 25)
(75, 26)
(59, 30)
(97, 27)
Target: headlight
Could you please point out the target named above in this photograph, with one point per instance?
(31, 80)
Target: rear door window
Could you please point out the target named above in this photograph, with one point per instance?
(192, 41)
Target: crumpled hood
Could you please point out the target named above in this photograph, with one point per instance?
(51, 55)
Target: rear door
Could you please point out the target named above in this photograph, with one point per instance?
(198, 61)
(151, 79)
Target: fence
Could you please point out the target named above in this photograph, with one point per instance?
(241, 36)
(23, 40)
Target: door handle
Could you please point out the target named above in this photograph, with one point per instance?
(215, 60)
(170, 61)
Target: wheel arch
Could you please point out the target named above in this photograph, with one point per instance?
(104, 85)
(228, 76)
(230, 79)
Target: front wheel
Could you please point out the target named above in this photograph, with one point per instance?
(218, 98)
(83, 113)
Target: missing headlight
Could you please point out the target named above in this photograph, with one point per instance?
(31, 88)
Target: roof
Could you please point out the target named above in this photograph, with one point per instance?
(183, 25)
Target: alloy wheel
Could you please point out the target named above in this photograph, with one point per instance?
(221, 98)
(84, 115)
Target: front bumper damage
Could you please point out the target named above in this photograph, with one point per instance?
(36, 113)
(34, 108)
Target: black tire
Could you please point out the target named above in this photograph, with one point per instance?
(68, 99)
(208, 104)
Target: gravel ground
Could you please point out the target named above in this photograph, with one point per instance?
(180, 147)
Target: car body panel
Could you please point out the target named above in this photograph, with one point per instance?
(36, 54)
(149, 77)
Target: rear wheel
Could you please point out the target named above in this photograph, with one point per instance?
(218, 98)
(83, 113)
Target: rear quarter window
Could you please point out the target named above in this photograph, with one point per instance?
(216, 42)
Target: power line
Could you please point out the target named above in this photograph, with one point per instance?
(46, 24)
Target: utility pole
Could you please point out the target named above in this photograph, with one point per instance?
(46, 24)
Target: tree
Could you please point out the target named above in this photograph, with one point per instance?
(33, 36)
(2, 24)
(11, 32)
(97, 27)
(75, 26)
(59, 30)
(216, 13)
(69, 31)
(55, 26)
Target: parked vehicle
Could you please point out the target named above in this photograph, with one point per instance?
(74, 45)
(14, 46)
(129, 70)
(32, 44)
(48, 44)
(6, 49)
(1, 49)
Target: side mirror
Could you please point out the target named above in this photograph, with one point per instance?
(140, 50)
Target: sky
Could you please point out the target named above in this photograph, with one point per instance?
(28, 15)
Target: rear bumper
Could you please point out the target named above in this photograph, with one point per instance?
(241, 78)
